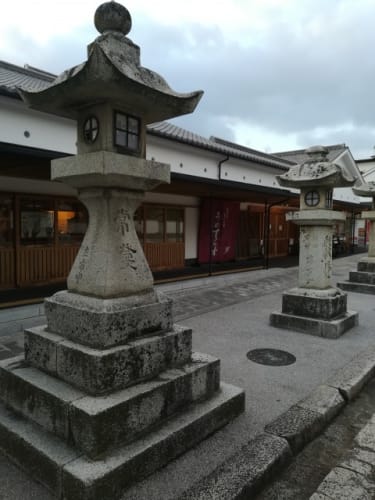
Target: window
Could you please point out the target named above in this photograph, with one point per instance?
(72, 220)
(6, 220)
(174, 223)
(127, 131)
(37, 221)
(159, 224)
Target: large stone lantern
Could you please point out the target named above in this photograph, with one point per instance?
(363, 280)
(108, 390)
(315, 306)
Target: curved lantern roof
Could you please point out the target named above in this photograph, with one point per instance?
(112, 73)
(316, 171)
(366, 189)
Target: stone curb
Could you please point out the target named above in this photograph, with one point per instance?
(245, 472)
(354, 477)
(248, 470)
(350, 379)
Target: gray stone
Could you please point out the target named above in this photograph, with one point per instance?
(101, 423)
(328, 329)
(314, 305)
(325, 400)
(243, 474)
(362, 277)
(105, 323)
(109, 477)
(37, 396)
(297, 425)
(366, 437)
(42, 454)
(366, 265)
(100, 371)
(350, 379)
(350, 286)
(343, 484)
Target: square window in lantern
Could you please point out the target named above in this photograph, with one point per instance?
(133, 125)
(121, 138)
(133, 142)
(121, 121)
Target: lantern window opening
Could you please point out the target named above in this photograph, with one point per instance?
(329, 198)
(312, 198)
(127, 131)
(91, 129)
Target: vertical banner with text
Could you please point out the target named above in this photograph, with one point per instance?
(218, 229)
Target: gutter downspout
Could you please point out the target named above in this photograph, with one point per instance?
(220, 164)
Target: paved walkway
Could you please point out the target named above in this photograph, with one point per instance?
(229, 317)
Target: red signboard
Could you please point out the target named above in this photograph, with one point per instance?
(218, 230)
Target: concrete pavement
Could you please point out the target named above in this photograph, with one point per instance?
(229, 316)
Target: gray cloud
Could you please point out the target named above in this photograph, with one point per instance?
(296, 78)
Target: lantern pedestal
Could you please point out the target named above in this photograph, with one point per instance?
(363, 280)
(315, 307)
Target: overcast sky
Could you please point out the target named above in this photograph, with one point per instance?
(277, 74)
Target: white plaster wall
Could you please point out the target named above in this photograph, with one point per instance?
(183, 159)
(191, 232)
(46, 131)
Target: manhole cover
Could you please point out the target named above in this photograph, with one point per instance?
(271, 357)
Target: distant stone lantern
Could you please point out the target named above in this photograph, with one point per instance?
(315, 306)
(363, 280)
(118, 395)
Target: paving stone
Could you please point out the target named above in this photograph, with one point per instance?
(343, 484)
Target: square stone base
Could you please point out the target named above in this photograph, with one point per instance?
(325, 305)
(331, 329)
(352, 286)
(72, 476)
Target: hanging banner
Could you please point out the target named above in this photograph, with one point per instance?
(219, 221)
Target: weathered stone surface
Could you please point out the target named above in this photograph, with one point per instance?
(99, 371)
(107, 478)
(243, 474)
(362, 277)
(325, 400)
(37, 396)
(42, 454)
(366, 437)
(350, 286)
(317, 304)
(350, 379)
(297, 425)
(343, 484)
(328, 329)
(98, 424)
(105, 323)
(366, 265)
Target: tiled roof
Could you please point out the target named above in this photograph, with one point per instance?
(175, 133)
(27, 78)
(299, 156)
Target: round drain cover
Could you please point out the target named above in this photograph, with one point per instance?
(271, 357)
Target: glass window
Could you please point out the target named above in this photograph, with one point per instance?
(174, 224)
(154, 219)
(37, 221)
(6, 220)
(127, 130)
(72, 220)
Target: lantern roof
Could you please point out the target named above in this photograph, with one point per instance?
(316, 171)
(112, 73)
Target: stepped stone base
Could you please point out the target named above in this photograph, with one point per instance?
(362, 280)
(318, 312)
(97, 424)
(72, 476)
(331, 329)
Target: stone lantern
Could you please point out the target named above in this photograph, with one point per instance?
(363, 280)
(315, 306)
(108, 390)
